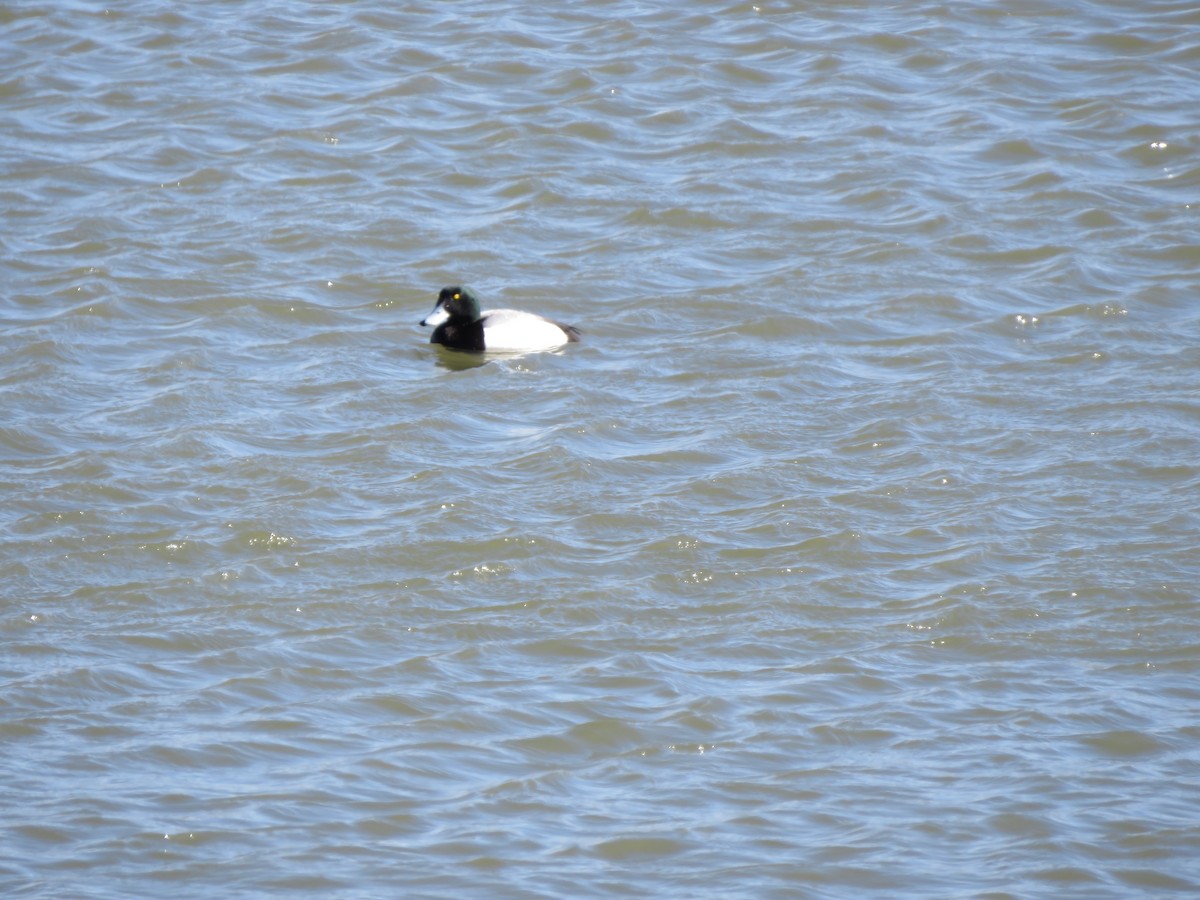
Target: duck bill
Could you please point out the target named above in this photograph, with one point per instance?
(435, 318)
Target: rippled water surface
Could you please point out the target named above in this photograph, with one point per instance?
(855, 551)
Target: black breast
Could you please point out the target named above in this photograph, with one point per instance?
(459, 335)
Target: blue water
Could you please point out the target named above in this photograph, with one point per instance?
(853, 551)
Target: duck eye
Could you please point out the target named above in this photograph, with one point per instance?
(456, 296)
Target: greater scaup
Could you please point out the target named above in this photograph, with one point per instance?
(461, 325)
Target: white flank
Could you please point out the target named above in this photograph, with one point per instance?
(508, 330)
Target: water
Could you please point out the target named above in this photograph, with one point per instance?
(853, 552)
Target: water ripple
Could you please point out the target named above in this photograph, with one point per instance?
(867, 498)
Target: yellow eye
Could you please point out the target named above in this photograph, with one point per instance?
(456, 296)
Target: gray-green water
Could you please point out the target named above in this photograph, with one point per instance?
(856, 550)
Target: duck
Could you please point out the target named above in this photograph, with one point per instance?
(459, 324)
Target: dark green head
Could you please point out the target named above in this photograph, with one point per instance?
(454, 304)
